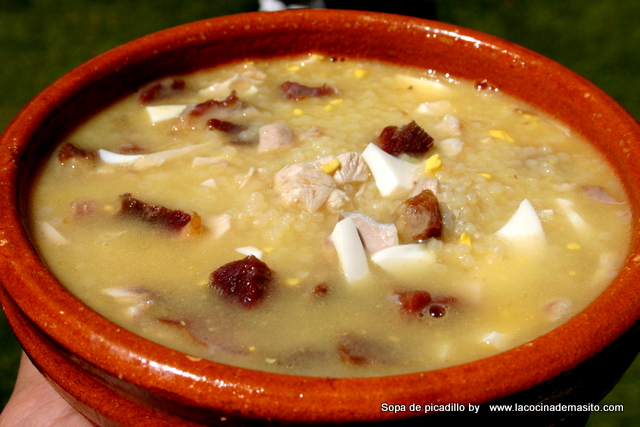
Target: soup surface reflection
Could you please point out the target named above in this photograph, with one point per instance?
(330, 217)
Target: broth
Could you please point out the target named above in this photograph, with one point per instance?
(534, 223)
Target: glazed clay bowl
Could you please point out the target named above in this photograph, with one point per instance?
(116, 378)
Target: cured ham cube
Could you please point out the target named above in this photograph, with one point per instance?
(172, 220)
(245, 282)
(419, 218)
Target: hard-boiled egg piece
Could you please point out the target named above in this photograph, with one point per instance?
(116, 158)
(405, 259)
(524, 227)
(430, 90)
(159, 113)
(392, 175)
(567, 207)
(350, 250)
(250, 250)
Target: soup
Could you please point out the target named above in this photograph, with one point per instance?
(330, 217)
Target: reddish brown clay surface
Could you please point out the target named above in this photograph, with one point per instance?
(116, 378)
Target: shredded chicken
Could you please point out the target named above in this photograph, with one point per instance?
(219, 224)
(599, 194)
(243, 83)
(426, 184)
(312, 133)
(450, 124)
(275, 136)
(308, 184)
(375, 235)
(158, 158)
(353, 168)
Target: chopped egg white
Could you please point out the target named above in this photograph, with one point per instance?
(159, 113)
(350, 250)
(431, 90)
(574, 217)
(392, 175)
(211, 183)
(52, 234)
(405, 259)
(250, 250)
(524, 227)
(434, 108)
(159, 157)
(116, 158)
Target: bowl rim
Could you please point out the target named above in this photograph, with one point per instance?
(167, 372)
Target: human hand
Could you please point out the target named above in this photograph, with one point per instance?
(34, 403)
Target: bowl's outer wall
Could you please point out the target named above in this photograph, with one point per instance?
(157, 376)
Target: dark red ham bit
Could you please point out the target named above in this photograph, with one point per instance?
(244, 281)
(161, 90)
(419, 218)
(226, 127)
(413, 302)
(409, 139)
(200, 109)
(295, 91)
(69, 151)
(167, 219)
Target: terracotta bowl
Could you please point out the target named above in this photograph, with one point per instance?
(116, 378)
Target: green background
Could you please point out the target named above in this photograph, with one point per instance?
(40, 40)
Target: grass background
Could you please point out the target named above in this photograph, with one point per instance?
(40, 40)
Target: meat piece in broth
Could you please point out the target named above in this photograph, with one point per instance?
(69, 151)
(410, 139)
(419, 303)
(225, 126)
(306, 184)
(419, 218)
(231, 108)
(230, 102)
(295, 91)
(352, 168)
(425, 184)
(275, 136)
(172, 220)
(219, 338)
(161, 90)
(236, 132)
(356, 349)
(375, 235)
(599, 194)
(84, 208)
(412, 302)
(245, 282)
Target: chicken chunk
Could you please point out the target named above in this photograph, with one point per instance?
(375, 235)
(352, 168)
(244, 83)
(275, 136)
(425, 184)
(307, 184)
